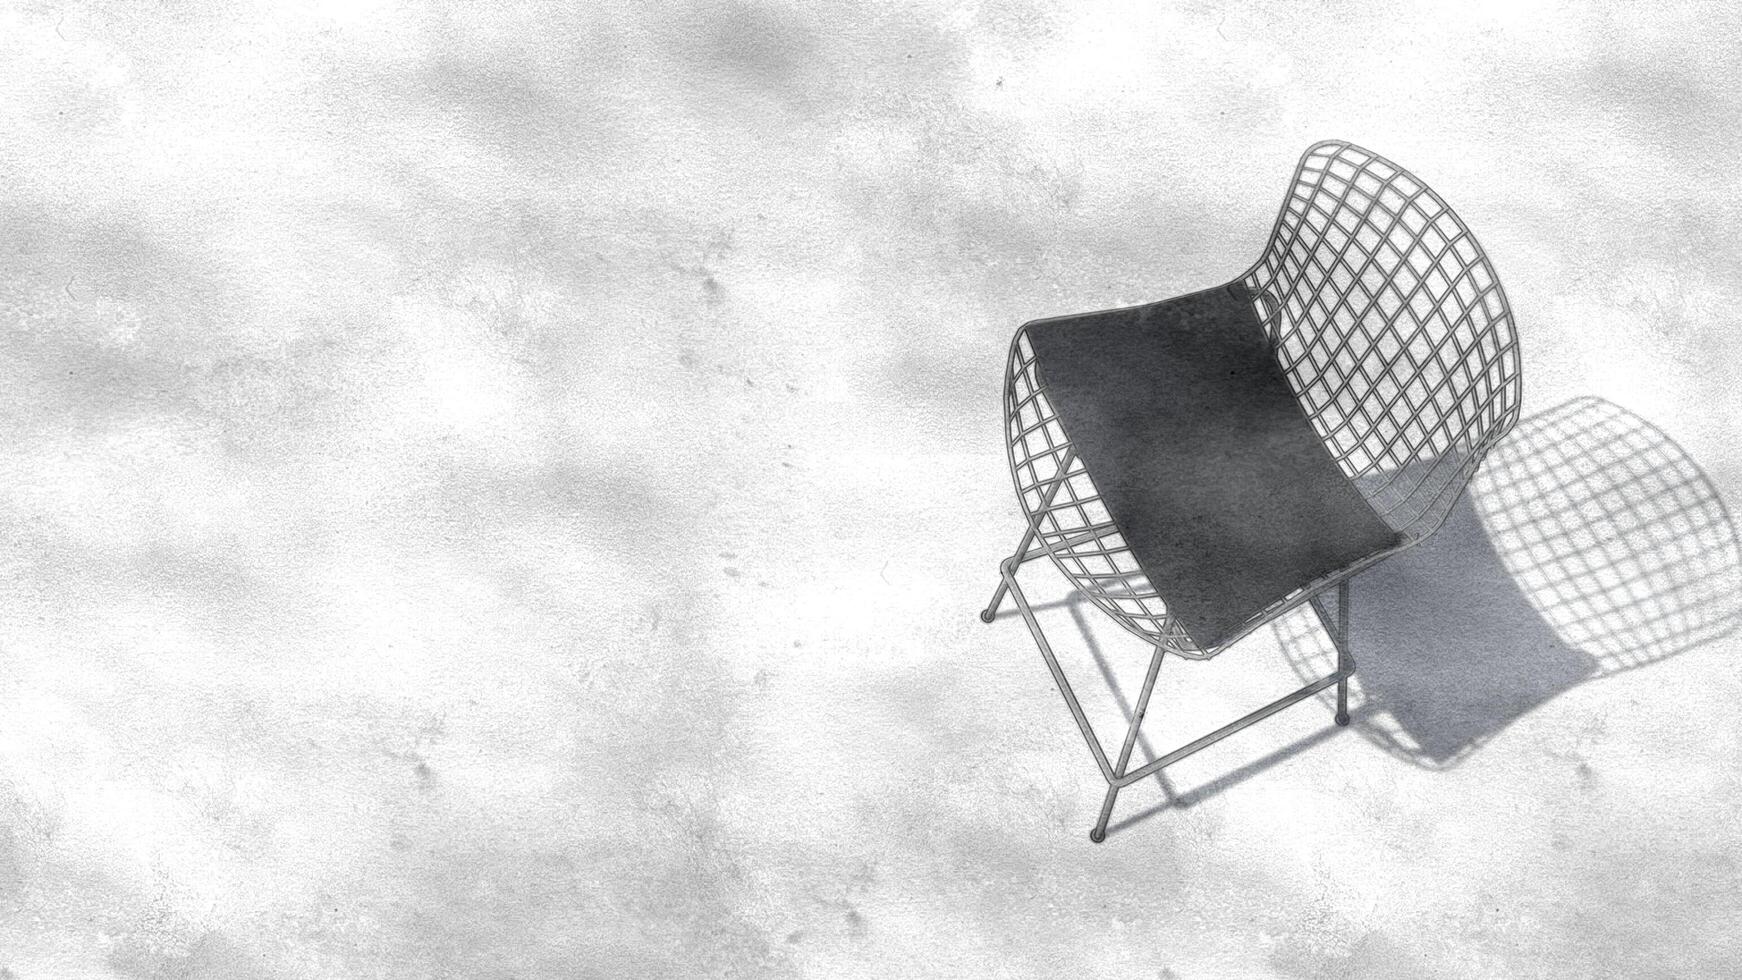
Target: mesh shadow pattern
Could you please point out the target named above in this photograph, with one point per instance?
(1590, 538)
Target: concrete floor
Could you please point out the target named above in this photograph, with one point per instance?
(505, 492)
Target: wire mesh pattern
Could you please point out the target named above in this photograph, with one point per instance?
(1067, 515)
(1395, 336)
(1393, 331)
(1613, 535)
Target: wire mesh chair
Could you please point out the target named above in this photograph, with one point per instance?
(1395, 338)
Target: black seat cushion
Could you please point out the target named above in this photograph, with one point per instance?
(1225, 495)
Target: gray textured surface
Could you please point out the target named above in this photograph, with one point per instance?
(504, 492)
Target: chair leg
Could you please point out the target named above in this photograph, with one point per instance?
(991, 610)
(1123, 776)
(1052, 488)
(1344, 664)
(1099, 833)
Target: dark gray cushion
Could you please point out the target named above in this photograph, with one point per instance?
(1225, 494)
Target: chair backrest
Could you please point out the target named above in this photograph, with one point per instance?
(1395, 336)
(1392, 328)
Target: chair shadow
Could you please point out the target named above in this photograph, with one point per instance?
(1588, 544)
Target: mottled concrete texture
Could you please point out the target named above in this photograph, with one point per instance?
(504, 490)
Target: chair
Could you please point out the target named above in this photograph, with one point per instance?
(1200, 466)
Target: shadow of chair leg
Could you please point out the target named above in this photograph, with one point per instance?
(1226, 781)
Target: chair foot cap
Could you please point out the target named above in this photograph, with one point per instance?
(1097, 835)
(986, 615)
(1343, 719)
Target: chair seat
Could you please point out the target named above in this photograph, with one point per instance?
(1222, 490)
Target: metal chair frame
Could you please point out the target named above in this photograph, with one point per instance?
(1396, 337)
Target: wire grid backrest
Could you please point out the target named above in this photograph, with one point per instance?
(1350, 289)
(1392, 328)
